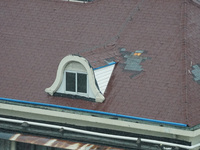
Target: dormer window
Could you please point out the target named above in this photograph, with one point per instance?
(75, 77)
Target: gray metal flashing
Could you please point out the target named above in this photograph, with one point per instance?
(133, 61)
(196, 73)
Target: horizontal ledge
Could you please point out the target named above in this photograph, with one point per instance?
(95, 112)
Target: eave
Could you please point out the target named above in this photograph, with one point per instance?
(58, 116)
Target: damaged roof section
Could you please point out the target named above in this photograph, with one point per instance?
(56, 143)
(196, 73)
(133, 61)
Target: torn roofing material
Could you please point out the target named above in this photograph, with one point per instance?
(196, 73)
(133, 61)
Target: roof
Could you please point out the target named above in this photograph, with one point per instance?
(36, 34)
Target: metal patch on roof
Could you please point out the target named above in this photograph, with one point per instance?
(196, 73)
(133, 61)
(103, 74)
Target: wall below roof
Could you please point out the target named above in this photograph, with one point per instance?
(103, 123)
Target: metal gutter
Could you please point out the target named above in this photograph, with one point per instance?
(95, 112)
(100, 134)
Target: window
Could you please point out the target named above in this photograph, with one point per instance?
(76, 82)
(26, 146)
(5, 144)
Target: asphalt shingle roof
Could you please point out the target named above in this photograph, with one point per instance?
(36, 34)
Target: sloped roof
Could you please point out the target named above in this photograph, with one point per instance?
(36, 34)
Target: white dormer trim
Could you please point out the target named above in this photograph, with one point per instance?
(96, 94)
(103, 75)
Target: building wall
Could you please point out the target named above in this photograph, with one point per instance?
(9, 145)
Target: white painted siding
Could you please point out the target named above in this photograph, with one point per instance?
(102, 76)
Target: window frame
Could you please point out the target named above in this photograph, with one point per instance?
(76, 83)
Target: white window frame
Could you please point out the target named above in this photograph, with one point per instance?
(76, 90)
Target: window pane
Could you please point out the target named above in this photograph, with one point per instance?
(70, 81)
(38, 147)
(82, 83)
(24, 146)
(4, 144)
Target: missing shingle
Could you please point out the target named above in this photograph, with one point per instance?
(122, 49)
(135, 73)
(110, 60)
(132, 61)
(133, 64)
(196, 73)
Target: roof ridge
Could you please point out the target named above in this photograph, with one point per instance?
(184, 56)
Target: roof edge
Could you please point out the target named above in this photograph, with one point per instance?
(96, 112)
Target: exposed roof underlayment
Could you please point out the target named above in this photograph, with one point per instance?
(196, 73)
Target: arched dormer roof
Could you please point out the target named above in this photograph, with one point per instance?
(94, 91)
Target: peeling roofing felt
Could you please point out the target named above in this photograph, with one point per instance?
(35, 35)
(196, 73)
(133, 61)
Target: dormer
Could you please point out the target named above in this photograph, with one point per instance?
(76, 78)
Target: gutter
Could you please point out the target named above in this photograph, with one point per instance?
(100, 134)
(95, 112)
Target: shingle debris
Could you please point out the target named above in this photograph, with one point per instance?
(133, 61)
(196, 73)
(109, 60)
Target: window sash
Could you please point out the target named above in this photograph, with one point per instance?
(81, 83)
(70, 81)
(76, 83)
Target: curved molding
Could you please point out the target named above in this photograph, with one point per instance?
(59, 76)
